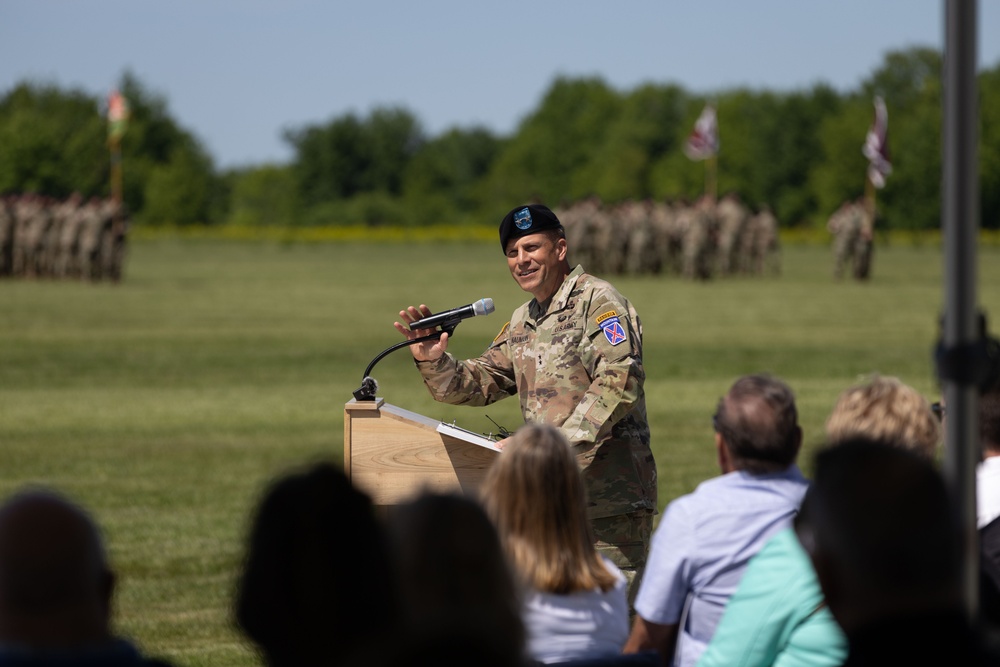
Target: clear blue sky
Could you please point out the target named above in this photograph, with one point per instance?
(237, 72)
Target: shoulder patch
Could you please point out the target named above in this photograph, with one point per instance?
(610, 313)
(613, 330)
(503, 330)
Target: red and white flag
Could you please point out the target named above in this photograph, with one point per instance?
(876, 146)
(703, 142)
(118, 113)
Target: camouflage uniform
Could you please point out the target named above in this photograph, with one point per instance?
(700, 228)
(91, 231)
(6, 237)
(25, 211)
(112, 250)
(864, 244)
(640, 253)
(764, 249)
(845, 225)
(69, 238)
(580, 230)
(733, 217)
(577, 366)
(605, 257)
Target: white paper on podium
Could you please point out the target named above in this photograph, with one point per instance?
(467, 436)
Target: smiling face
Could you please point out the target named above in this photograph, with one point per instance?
(538, 263)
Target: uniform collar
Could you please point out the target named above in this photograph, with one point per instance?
(559, 300)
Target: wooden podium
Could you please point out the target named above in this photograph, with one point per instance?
(393, 454)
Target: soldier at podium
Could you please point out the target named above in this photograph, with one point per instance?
(573, 356)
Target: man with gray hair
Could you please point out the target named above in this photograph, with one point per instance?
(706, 538)
(56, 587)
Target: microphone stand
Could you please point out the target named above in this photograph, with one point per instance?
(366, 392)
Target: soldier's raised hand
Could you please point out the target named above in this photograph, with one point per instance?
(428, 350)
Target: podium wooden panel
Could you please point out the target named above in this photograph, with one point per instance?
(393, 454)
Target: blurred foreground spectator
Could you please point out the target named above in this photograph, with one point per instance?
(317, 586)
(885, 543)
(988, 506)
(56, 588)
(575, 602)
(459, 600)
(988, 474)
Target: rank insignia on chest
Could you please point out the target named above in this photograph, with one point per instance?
(613, 330)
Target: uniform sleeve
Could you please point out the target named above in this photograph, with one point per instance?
(474, 382)
(617, 373)
(669, 568)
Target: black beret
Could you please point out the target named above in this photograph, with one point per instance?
(524, 220)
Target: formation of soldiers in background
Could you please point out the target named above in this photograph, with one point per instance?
(74, 238)
(696, 241)
(852, 226)
(85, 239)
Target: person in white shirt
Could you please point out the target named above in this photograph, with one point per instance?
(574, 601)
(988, 473)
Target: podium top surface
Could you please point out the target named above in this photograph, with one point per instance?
(467, 436)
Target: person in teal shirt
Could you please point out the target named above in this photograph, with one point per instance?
(777, 615)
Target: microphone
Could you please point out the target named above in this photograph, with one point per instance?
(452, 317)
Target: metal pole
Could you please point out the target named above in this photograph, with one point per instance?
(961, 225)
(116, 169)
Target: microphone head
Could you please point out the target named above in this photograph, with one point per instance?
(483, 307)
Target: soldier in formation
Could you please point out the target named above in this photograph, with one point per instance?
(732, 218)
(852, 226)
(41, 237)
(760, 250)
(697, 241)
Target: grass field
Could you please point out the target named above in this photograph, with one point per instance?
(167, 403)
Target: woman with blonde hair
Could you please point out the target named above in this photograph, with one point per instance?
(574, 601)
(884, 408)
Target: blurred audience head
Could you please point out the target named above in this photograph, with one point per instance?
(456, 586)
(756, 426)
(989, 423)
(55, 584)
(317, 583)
(879, 528)
(883, 408)
(535, 496)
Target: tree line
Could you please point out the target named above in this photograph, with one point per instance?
(797, 151)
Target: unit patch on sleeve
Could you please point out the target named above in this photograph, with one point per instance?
(613, 329)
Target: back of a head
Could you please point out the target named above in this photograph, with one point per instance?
(55, 585)
(883, 408)
(305, 595)
(534, 494)
(879, 526)
(989, 422)
(454, 579)
(758, 421)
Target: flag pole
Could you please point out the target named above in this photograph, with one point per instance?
(711, 177)
(870, 198)
(116, 168)
(118, 114)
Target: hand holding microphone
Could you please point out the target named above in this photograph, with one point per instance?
(454, 316)
(421, 322)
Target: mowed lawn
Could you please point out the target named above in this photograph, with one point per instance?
(167, 404)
